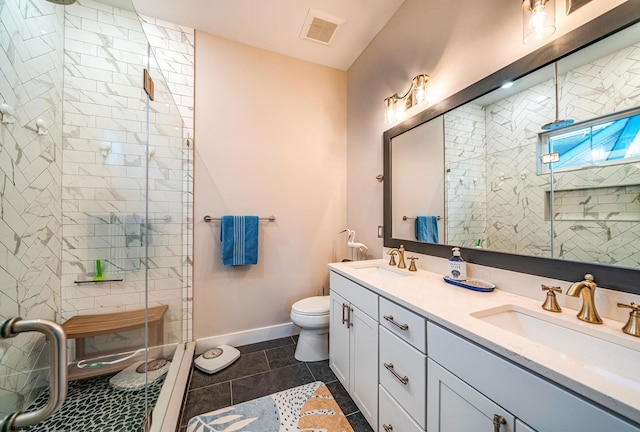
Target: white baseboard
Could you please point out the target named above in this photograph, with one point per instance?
(247, 337)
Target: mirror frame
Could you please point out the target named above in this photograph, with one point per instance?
(617, 278)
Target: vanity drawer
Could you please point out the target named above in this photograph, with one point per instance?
(404, 323)
(392, 417)
(365, 300)
(403, 373)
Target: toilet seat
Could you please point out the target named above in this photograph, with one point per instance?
(312, 306)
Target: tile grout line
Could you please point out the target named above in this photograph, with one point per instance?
(267, 359)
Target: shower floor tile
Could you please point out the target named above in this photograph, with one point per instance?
(93, 406)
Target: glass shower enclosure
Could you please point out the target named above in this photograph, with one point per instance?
(95, 213)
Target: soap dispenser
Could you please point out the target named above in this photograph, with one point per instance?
(457, 266)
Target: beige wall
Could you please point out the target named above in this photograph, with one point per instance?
(456, 47)
(270, 139)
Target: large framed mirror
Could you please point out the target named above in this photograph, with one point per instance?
(494, 170)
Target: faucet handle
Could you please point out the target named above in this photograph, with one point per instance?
(551, 289)
(412, 266)
(632, 327)
(392, 261)
(551, 302)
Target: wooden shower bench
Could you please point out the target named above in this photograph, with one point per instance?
(80, 327)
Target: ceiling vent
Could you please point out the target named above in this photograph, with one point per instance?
(320, 27)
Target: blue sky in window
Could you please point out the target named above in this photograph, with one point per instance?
(604, 142)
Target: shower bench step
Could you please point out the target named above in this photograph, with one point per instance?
(80, 327)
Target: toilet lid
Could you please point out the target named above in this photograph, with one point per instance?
(318, 305)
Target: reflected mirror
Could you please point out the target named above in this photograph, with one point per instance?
(498, 195)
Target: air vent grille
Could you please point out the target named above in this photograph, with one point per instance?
(320, 27)
(321, 30)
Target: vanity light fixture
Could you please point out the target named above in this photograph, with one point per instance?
(538, 20)
(395, 106)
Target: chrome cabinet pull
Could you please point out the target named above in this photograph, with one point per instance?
(344, 320)
(57, 375)
(387, 428)
(498, 421)
(403, 379)
(403, 327)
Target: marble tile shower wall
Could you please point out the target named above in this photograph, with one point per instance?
(465, 160)
(31, 44)
(104, 169)
(603, 86)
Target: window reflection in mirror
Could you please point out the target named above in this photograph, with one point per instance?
(612, 139)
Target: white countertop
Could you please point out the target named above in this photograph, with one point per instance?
(428, 295)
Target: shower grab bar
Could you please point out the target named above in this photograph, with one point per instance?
(208, 218)
(58, 370)
(404, 218)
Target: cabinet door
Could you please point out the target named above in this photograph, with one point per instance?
(364, 364)
(455, 406)
(339, 339)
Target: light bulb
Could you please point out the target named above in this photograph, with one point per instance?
(420, 89)
(390, 109)
(539, 18)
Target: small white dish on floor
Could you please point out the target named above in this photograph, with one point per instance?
(215, 359)
(133, 378)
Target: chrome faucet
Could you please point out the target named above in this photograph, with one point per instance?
(400, 252)
(587, 288)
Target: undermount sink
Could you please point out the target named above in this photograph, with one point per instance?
(380, 272)
(600, 352)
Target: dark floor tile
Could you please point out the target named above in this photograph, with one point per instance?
(247, 364)
(256, 386)
(346, 404)
(206, 399)
(281, 357)
(295, 338)
(322, 372)
(261, 346)
(359, 423)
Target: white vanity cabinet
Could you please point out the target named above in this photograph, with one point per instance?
(402, 368)
(469, 385)
(455, 406)
(353, 343)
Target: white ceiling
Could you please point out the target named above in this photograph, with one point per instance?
(275, 24)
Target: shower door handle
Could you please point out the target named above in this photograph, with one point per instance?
(57, 370)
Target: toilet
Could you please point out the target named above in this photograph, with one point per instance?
(312, 316)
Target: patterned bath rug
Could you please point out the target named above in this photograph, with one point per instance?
(310, 407)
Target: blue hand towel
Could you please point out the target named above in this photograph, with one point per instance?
(239, 237)
(426, 228)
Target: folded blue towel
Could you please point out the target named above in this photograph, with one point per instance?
(239, 237)
(426, 228)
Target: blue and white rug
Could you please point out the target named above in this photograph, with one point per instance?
(310, 407)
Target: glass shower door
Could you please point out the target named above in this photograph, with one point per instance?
(93, 223)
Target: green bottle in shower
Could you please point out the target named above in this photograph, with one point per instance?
(98, 275)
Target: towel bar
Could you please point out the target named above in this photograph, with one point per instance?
(404, 218)
(208, 218)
